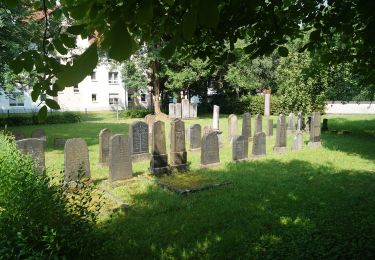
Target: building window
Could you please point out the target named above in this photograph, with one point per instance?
(130, 97)
(113, 77)
(75, 89)
(143, 97)
(16, 100)
(93, 76)
(43, 97)
(113, 98)
(93, 97)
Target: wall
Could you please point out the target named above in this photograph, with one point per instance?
(340, 107)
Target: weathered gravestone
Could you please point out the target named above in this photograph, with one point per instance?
(258, 124)
(76, 160)
(35, 148)
(207, 129)
(139, 136)
(325, 124)
(191, 110)
(291, 125)
(159, 157)
(178, 148)
(267, 102)
(269, 127)
(18, 134)
(308, 124)
(40, 134)
(185, 108)
(280, 135)
(240, 148)
(172, 110)
(246, 125)
(150, 119)
(104, 136)
(178, 111)
(315, 130)
(300, 122)
(195, 139)
(59, 142)
(259, 144)
(298, 142)
(195, 110)
(232, 126)
(120, 159)
(210, 150)
(215, 123)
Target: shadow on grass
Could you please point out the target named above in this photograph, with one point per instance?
(292, 210)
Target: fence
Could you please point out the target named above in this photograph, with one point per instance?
(352, 107)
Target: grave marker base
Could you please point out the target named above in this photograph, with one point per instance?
(314, 144)
(280, 149)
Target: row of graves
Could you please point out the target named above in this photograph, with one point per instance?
(119, 151)
(184, 110)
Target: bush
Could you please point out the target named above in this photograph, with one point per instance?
(255, 104)
(135, 113)
(59, 118)
(39, 219)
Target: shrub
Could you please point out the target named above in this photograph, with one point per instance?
(135, 113)
(58, 118)
(255, 104)
(39, 219)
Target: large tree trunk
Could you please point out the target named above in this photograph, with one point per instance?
(155, 83)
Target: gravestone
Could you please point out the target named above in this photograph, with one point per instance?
(195, 140)
(139, 136)
(171, 110)
(267, 103)
(18, 134)
(59, 142)
(259, 144)
(308, 124)
(195, 110)
(185, 108)
(298, 142)
(315, 130)
(191, 110)
(178, 112)
(40, 134)
(215, 123)
(258, 124)
(76, 160)
(159, 157)
(210, 149)
(35, 148)
(325, 124)
(104, 138)
(149, 119)
(291, 125)
(120, 158)
(240, 148)
(232, 126)
(207, 129)
(280, 146)
(300, 122)
(178, 148)
(269, 127)
(246, 125)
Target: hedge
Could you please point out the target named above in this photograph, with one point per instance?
(135, 113)
(58, 118)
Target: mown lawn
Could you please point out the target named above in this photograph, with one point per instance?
(316, 203)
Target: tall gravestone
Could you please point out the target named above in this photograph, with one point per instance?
(300, 122)
(246, 125)
(35, 148)
(18, 134)
(232, 126)
(267, 103)
(159, 157)
(281, 135)
(149, 119)
(76, 159)
(258, 124)
(178, 110)
(185, 108)
(195, 140)
(315, 130)
(259, 144)
(178, 149)
(215, 123)
(172, 110)
(139, 136)
(40, 134)
(240, 148)
(291, 124)
(325, 124)
(210, 149)
(297, 142)
(104, 137)
(195, 110)
(120, 158)
(269, 127)
(308, 124)
(191, 110)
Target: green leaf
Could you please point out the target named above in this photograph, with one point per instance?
(59, 46)
(80, 11)
(120, 43)
(76, 29)
(208, 13)
(169, 49)
(16, 65)
(36, 92)
(189, 23)
(283, 51)
(42, 114)
(315, 35)
(83, 65)
(11, 3)
(28, 63)
(68, 41)
(52, 104)
(145, 12)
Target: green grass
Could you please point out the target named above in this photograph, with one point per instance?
(316, 203)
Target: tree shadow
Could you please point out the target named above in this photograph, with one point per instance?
(272, 210)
